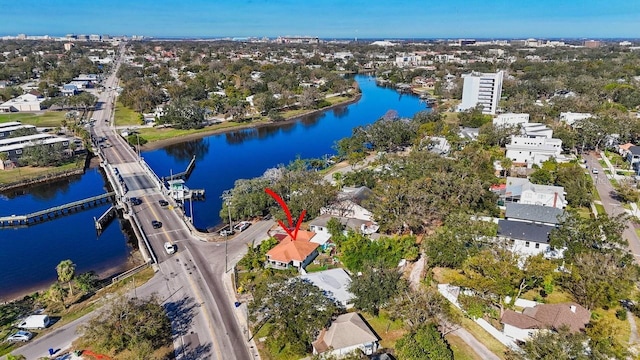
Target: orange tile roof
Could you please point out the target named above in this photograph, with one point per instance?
(288, 249)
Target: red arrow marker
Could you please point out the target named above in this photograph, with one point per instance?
(284, 207)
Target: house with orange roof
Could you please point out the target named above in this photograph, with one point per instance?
(296, 253)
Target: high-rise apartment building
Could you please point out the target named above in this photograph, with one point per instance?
(481, 88)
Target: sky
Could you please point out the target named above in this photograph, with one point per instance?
(325, 18)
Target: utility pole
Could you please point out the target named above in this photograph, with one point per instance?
(226, 196)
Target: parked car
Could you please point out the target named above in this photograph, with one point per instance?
(169, 248)
(594, 170)
(135, 201)
(163, 202)
(242, 226)
(156, 224)
(21, 335)
(226, 232)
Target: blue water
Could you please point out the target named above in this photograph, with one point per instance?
(223, 158)
(28, 256)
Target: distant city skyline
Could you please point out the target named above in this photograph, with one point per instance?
(325, 19)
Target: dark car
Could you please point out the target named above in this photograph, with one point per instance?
(156, 224)
(163, 202)
(135, 201)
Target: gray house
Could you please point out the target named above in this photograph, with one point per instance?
(531, 213)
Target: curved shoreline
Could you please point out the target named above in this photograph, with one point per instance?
(180, 139)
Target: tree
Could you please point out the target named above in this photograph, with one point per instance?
(598, 279)
(309, 97)
(66, 270)
(87, 281)
(376, 287)
(553, 345)
(137, 325)
(458, 238)
(604, 341)
(265, 102)
(424, 343)
(183, 113)
(493, 274)
(422, 306)
(581, 235)
(627, 191)
(296, 310)
(542, 177)
(56, 294)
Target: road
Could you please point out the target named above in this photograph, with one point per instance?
(611, 205)
(194, 281)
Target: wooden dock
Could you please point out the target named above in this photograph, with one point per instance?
(55, 212)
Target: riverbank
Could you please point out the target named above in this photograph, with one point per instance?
(157, 144)
(28, 176)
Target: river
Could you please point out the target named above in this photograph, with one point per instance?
(28, 256)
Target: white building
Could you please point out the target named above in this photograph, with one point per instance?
(26, 102)
(510, 119)
(334, 284)
(571, 117)
(523, 191)
(348, 332)
(523, 238)
(481, 88)
(536, 130)
(529, 151)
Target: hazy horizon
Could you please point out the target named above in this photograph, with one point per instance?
(371, 19)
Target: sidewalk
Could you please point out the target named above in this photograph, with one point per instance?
(241, 313)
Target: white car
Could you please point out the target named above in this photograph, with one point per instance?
(242, 226)
(594, 170)
(20, 336)
(169, 248)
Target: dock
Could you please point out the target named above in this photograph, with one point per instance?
(185, 174)
(105, 219)
(55, 212)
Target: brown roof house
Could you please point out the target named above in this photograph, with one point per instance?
(347, 334)
(521, 326)
(297, 253)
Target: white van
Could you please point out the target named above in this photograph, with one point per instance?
(35, 322)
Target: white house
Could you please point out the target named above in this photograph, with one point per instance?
(510, 119)
(335, 285)
(529, 151)
(483, 89)
(349, 204)
(571, 117)
(296, 253)
(523, 191)
(347, 333)
(521, 326)
(536, 130)
(526, 239)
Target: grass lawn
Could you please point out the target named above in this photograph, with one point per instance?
(446, 275)
(293, 113)
(390, 331)
(337, 99)
(263, 349)
(621, 327)
(155, 134)
(600, 209)
(461, 351)
(125, 116)
(484, 337)
(28, 172)
(47, 119)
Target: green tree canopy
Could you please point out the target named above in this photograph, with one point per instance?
(424, 343)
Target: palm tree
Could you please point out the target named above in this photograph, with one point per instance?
(66, 271)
